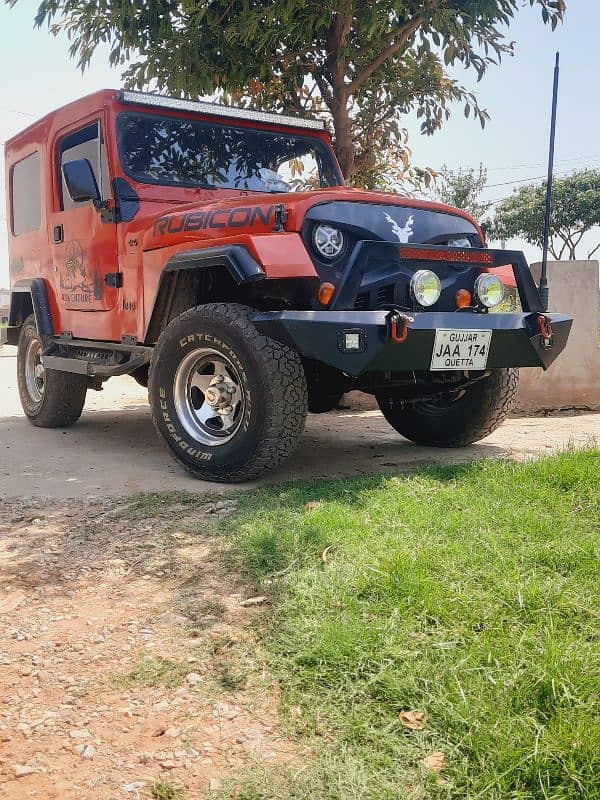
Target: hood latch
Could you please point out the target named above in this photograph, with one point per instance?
(281, 217)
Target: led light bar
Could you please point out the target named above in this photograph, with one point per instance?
(216, 110)
(440, 254)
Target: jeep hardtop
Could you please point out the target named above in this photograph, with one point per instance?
(215, 255)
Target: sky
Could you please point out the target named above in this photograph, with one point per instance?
(38, 75)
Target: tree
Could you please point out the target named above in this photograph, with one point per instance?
(575, 211)
(461, 188)
(362, 65)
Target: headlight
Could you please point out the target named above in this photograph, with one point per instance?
(425, 287)
(489, 290)
(460, 242)
(328, 241)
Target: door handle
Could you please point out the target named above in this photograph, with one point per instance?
(58, 234)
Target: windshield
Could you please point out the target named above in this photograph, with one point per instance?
(185, 152)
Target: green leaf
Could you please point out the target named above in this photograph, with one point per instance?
(262, 52)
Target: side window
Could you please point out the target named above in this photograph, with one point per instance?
(85, 143)
(26, 195)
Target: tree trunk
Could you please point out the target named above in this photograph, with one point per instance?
(343, 143)
(337, 97)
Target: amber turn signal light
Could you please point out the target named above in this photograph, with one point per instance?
(463, 298)
(325, 293)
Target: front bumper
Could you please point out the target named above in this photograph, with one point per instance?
(320, 335)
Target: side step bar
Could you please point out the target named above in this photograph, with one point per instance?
(93, 368)
(138, 357)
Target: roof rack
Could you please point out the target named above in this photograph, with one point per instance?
(217, 110)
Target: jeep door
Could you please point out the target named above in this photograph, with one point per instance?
(84, 241)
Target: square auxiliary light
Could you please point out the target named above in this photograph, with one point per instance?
(352, 341)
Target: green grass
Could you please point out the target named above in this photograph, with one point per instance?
(152, 672)
(143, 505)
(469, 593)
(163, 789)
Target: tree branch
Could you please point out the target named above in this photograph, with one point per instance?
(402, 37)
(591, 253)
(581, 235)
(324, 89)
(336, 38)
(563, 248)
(568, 246)
(308, 96)
(573, 245)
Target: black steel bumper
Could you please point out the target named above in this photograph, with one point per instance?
(321, 335)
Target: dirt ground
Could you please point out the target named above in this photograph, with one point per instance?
(125, 654)
(113, 450)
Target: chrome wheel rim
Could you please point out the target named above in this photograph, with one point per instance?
(209, 397)
(35, 374)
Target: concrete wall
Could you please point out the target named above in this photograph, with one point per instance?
(574, 378)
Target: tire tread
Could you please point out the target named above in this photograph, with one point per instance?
(64, 395)
(496, 393)
(283, 369)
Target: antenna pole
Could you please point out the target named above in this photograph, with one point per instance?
(543, 288)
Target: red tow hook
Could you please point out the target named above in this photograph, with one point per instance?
(399, 322)
(546, 334)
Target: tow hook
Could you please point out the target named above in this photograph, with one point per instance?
(546, 334)
(398, 323)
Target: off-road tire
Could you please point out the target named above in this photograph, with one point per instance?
(272, 382)
(459, 419)
(63, 397)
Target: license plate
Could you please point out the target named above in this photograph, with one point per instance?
(460, 349)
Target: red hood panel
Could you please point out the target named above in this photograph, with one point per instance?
(256, 214)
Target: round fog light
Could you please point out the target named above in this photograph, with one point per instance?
(425, 287)
(489, 290)
(328, 241)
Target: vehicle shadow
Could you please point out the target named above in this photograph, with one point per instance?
(119, 452)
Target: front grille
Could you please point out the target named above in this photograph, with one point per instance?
(384, 295)
(379, 297)
(362, 302)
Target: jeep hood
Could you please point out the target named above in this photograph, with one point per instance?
(369, 215)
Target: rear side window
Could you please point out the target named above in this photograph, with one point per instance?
(26, 199)
(85, 143)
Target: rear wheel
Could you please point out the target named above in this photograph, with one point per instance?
(50, 398)
(458, 418)
(229, 402)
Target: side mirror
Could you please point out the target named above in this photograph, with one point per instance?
(80, 180)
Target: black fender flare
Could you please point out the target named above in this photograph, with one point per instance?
(235, 259)
(27, 295)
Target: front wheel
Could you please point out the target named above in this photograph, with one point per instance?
(229, 402)
(455, 419)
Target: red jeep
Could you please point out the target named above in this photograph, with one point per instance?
(215, 255)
